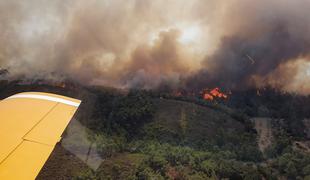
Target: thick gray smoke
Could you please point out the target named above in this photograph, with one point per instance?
(146, 43)
(263, 40)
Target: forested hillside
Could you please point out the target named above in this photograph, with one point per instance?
(149, 135)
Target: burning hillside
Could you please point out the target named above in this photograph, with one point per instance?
(128, 129)
(206, 94)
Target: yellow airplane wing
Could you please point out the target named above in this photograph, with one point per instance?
(30, 126)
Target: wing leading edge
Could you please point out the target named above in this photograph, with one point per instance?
(30, 126)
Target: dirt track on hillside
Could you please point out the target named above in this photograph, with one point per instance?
(263, 128)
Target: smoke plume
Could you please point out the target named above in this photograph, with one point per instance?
(262, 38)
(144, 43)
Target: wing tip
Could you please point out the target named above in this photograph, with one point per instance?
(48, 96)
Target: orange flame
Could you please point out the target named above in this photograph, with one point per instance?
(207, 96)
(214, 93)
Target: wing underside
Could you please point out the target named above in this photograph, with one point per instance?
(31, 125)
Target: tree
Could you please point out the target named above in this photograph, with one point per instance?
(306, 170)
(131, 112)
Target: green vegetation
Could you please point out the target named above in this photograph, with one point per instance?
(115, 113)
(155, 138)
(193, 139)
(163, 161)
(149, 135)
